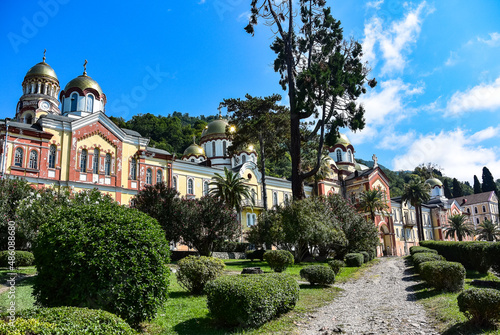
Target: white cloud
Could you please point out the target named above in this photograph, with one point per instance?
(457, 152)
(480, 97)
(452, 59)
(393, 140)
(374, 4)
(395, 41)
(493, 41)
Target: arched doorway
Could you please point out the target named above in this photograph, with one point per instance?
(385, 235)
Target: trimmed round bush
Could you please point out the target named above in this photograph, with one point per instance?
(354, 259)
(251, 300)
(278, 260)
(71, 321)
(256, 254)
(16, 258)
(26, 326)
(443, 275)
(336, 265)
(102, 256)
(318, 274)
(473, 255)
(480, 305)
(417, 249)
(366, 256)
(422, 257)
(194, 272)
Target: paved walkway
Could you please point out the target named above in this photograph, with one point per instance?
(380, 302)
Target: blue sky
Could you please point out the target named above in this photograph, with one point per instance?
(436, 62)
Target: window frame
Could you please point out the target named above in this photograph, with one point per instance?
(52, 156)
(83, 160)
(95, 161)
(19, 157)
(190, 186)
(33, 160)
(149, 176)
(107, 164)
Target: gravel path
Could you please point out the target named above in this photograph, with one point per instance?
(380, 302)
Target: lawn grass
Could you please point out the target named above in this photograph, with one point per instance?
(186, 314)
(443, 307)
(24, 288)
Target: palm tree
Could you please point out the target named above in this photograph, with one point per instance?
(230, 189)
(373, 201)
(488, 231)
(459, 227)
(417, 193)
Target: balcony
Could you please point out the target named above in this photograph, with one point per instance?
(257, 203)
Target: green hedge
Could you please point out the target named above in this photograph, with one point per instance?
(366, 256)
(336, 265)
(480, 305)
(278, 260)
(102, 256)
(443, 275)
(194, 272)
(416, 249)
(72, 321)
(354, 259)
(494, 256)
(472, 255)
(16, 258)
(318, 274)
(256, 254)
(422, 257)
(251, 300)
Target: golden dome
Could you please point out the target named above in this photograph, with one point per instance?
(194, 149)
(434, 182)
(216, 127)
(83, 82)
(343, 140)
(41, 69)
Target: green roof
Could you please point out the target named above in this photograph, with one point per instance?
(215, 127)
(83, 82)
(42, 69)
(194, 149)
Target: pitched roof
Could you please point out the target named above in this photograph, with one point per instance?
(475, 198)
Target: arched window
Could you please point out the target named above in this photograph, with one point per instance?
(83, 161)
(286, 197)
(107, 165)
(33, 164)
(224, 148)
(174, 183)
(149, 176)
(468, 210)
(90, 103)
(159, 176)
(275, 199)
(190, 189)
(339, 155)
(205, 188)
(213, 148)
(243, 159)
(18, 158)
(74, 102)
(477, 220)
(484, 209)
(52, 156)
(95, 162)
(28, 119)
(349, 155)
(133, 169)
(475, 210)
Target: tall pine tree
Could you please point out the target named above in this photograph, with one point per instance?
(457, 189)
(447, 191)
(477, 185)
(488, 181)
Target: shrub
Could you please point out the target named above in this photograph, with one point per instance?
(373, 253)
(251, 300)
(354, 259)
(443, 275)
(17, 258)
(336, 265)
(26, 326)
(230, 246)
(194, 272)
(366, 256)
(416, 249)
(318, 274)
(480, 305)
(102, 256)
(256, 254)
(278, 260)
(472, 255)
(75, 321)
(422, 257)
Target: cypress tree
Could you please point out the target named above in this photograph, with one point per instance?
(488, 181)
(457, 189)
(477, 185)
(447, 191)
